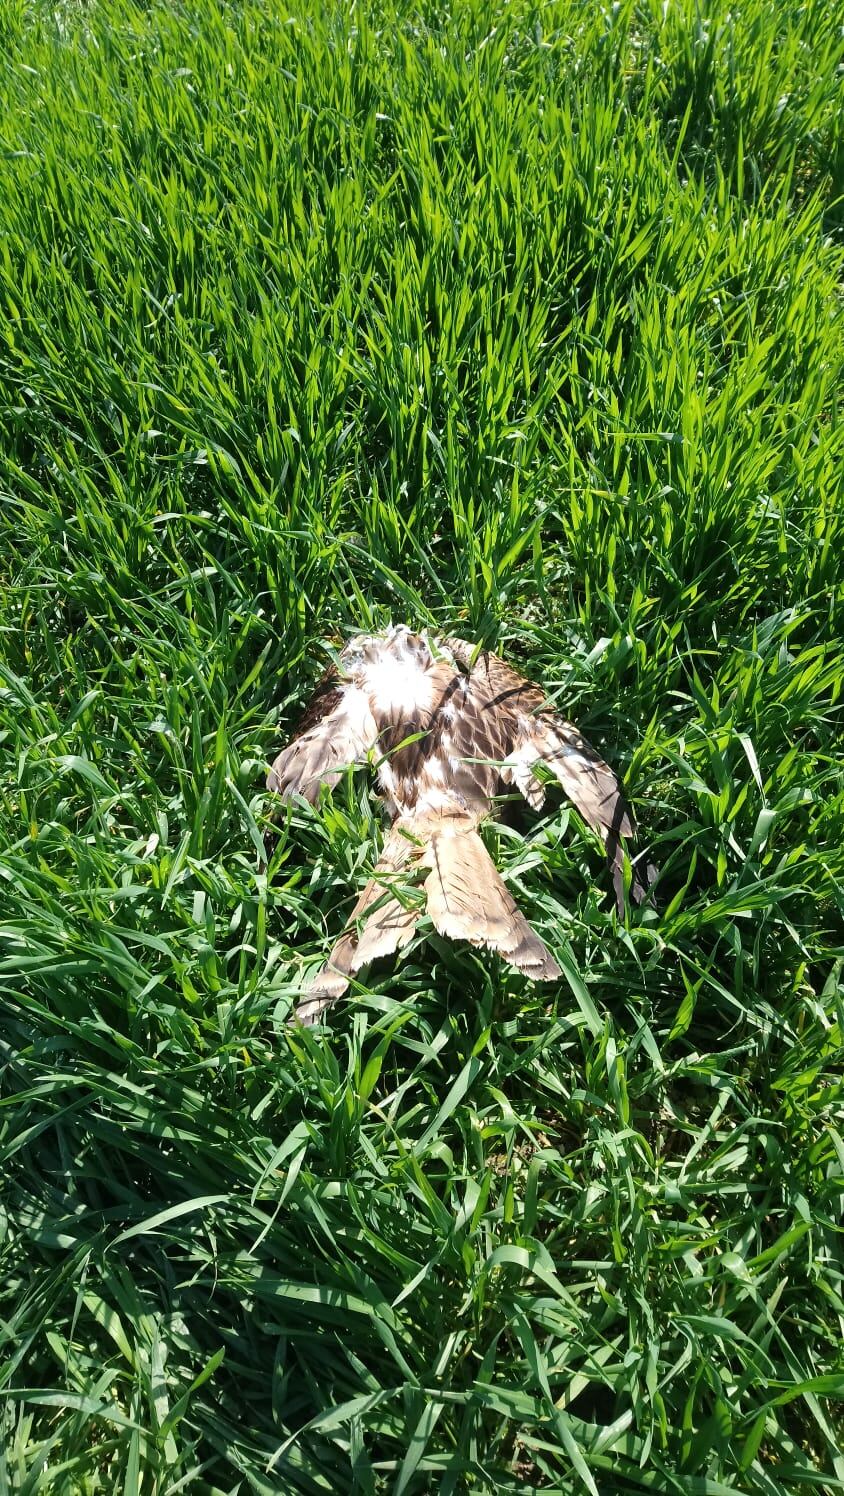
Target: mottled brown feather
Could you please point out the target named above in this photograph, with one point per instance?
(337, 729)
(531, 733)
(413, 740)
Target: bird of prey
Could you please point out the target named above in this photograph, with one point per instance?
(446, 725)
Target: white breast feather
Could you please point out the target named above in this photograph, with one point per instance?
(357, 722)
(398, 686)
(433, 799)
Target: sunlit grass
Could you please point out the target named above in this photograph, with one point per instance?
(523, 320)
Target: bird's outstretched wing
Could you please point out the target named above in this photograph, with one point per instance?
(338, 729)
(520, 717)
(380, 924)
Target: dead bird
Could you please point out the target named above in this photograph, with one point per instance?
(447, 725)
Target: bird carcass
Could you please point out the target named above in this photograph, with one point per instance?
(447, 726)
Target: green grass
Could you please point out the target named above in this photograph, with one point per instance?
(524, 320)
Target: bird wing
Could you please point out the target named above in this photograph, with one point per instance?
(337, 729)
(519, 717)
(380, 924)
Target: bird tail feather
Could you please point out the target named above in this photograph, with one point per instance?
(465, 898)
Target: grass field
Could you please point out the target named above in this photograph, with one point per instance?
(521, 320)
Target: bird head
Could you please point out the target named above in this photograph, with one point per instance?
(397, 643)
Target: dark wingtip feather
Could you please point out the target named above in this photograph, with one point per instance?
(642, 882)
(328, 984)
(535, 960)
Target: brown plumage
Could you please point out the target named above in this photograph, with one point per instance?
(446, 730)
